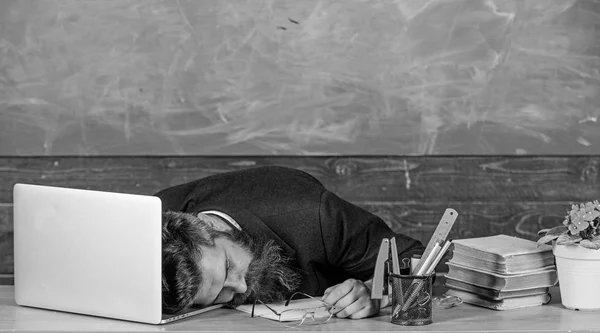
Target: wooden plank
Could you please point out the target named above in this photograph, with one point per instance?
(515, 195)
(413, 179)
(7, 279)
(6, 241)
(522, 219)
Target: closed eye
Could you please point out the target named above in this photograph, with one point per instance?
(227, 267)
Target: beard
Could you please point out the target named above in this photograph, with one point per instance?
(270, 276)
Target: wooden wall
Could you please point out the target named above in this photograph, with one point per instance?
(493, 194)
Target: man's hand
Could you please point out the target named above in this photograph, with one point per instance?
(351, 299)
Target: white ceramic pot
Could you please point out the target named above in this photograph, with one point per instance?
(578, 276)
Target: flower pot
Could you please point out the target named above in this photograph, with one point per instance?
(578, 271)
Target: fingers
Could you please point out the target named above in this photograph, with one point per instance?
(351, 299)
(350, 310)
(333, 294)
(328, 290)
(365, 312)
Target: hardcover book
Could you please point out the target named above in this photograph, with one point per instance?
(506, 267)
(505, 304)
(493, 294)
(503, 249)
(545, 277)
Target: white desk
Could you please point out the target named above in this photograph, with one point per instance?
(548, 318)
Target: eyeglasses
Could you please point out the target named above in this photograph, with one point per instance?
(294, 314)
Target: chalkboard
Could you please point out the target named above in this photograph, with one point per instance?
(308, 77)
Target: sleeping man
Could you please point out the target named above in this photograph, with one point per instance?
(267, 232)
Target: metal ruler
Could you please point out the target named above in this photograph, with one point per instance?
(439, 235)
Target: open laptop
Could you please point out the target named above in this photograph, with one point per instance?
(90, 252)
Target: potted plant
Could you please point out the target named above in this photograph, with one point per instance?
(576, 248)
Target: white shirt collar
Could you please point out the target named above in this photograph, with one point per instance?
(224, 216)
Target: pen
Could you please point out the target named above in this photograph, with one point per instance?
(416, 285)
(414, 262)
(425, 266)
(439, 257)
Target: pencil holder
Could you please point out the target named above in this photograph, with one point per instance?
(411, 299)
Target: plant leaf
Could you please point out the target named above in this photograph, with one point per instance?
(593, 215)
(566, 239)
(543, 231)
(589, 244)
(546, 239)
(554, 231)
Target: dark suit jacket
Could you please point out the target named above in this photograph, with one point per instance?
(329, 238)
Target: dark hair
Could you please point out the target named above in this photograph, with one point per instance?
(182, 237)
(270, 277)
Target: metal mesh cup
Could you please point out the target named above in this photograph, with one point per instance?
(411, 299)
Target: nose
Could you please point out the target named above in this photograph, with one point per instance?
(236, 283)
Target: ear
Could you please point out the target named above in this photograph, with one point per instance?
(214, 222)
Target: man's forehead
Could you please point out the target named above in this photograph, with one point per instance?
(234, 249)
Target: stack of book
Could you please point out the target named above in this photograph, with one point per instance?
(501, 272)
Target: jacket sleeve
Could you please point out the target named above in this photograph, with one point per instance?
(352, 237)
